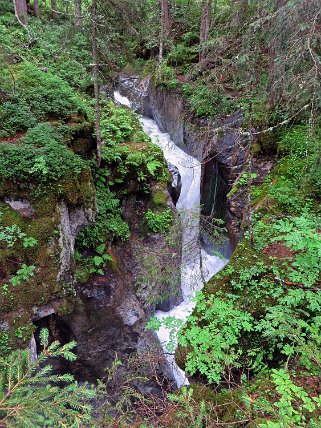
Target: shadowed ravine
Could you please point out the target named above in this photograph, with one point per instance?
(198, 265)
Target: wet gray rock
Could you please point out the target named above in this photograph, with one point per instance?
(4, 325)
(130, 310)
(72, 219)
(42, 312)
(176, 184)
(22, 206)
(33, 349)
(137, 90)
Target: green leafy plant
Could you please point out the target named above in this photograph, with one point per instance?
(15, 115)
(46, 94)
(10, 235)
(159, 223)
(99, 261)
(286, 413)
(32, 395)
(212, 345)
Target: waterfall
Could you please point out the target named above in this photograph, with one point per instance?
(198, 264)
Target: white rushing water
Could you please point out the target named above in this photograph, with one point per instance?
(197, 264)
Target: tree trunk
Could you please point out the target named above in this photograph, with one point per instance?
(166, 24)
(165, 31)
(20, 8)
(95, 75)
(213, 14)
(54, 8)
(160, 57)
(205, 26)
(36, 8)
(248, 170)
(78, 13)
(242, 10)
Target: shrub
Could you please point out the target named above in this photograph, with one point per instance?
(301, 163)
(44, 165)
(181, 54)
(159, 223)
(16, 115)
(42, 135)
(108, 223)
(46, 94)
(207, 101)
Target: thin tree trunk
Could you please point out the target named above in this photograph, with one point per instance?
(78, 13)
(213, 14)
(166, 24)
(54, 8)
(96, 86)
(205, 27)
(242, 9)
(36, 8)
(249, 179)
(20, 8)
(160, 57)
(165, 30)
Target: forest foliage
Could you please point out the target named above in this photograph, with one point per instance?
(254, 337)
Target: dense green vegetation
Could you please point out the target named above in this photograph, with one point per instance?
(253, 341)
(47, 157)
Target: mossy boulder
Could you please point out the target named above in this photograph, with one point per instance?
(37, 243)
(160, 197)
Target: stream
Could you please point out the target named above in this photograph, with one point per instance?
(199, 264)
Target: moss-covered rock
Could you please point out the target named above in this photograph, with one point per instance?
(41, 241)
(160, 197)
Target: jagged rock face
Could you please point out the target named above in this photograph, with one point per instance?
(22, 206)
(176, 184)
(111, 312)
(72, 220)
(137, 90)
(109, 321)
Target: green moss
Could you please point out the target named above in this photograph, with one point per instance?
(82, 274)
(112, 264)
(66, 307)
(256, 149)
(159, 198)
(233, 191)
(45, 205)
(10, 216)
(43, 227)
(243, 257)
(180, 356)
(20, 330)
(79, 137)
(226, 404)
(148, 68)
(78, 190)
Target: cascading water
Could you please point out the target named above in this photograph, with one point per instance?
(197, 264)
